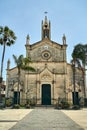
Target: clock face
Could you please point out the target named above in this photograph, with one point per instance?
(46, 47)
(46, 55)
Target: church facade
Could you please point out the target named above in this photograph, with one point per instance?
(53, 78)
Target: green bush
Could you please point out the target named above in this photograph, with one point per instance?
(58, 105)
(32, 103)
(65, 105)
(76, 107)
(62, 105)
(16, 106)
(8, 102)
(27, 101)
(22, 105)
(27, 105)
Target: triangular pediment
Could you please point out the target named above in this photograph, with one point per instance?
(45, 42)
(46, 74)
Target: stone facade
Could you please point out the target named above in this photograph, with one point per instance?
(53, 78)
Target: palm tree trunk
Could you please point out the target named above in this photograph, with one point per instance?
(84, 81)
(3, 55)
(0, 89)
(1, 79)
(18, 87)
(74, 84)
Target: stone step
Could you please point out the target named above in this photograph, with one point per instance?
(44, 106)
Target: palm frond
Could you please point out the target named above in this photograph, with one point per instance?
(79, 52)
(15, 58)
(1, 29)
(22, 63)
(28, 68)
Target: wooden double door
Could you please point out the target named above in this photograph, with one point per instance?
(46, 94)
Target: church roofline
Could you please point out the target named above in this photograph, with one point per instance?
(36, 43)
(56, 43)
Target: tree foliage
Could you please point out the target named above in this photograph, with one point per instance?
(23, 63)
(7, 38)
(79, 52)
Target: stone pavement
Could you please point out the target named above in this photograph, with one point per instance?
(9, 117)
(43, 119)
(46, 119)
(79, 116)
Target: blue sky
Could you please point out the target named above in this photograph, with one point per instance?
(24, 17)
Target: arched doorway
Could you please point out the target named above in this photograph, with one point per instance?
(46, 94)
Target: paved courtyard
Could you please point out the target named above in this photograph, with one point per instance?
(43, 119)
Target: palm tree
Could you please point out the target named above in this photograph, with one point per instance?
(75, 62)
(79, 58)
(22, 63)
(7, 38)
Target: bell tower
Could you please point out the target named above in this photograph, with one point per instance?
(46, 29)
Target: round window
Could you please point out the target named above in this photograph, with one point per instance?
(46, 55)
